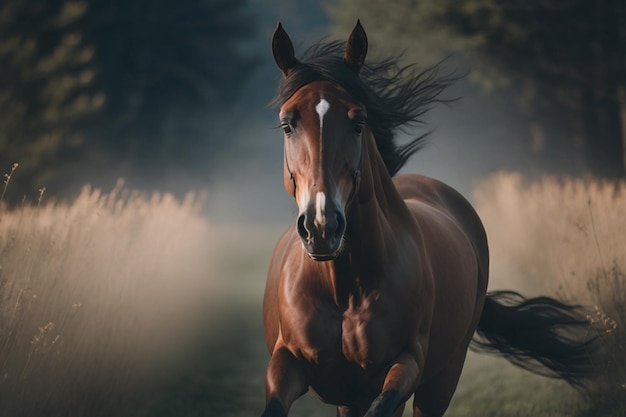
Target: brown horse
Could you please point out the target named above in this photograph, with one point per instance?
(376, 293)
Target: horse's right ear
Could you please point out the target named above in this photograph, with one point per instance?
(283, 51)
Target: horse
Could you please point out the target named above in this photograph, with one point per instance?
(376, 292)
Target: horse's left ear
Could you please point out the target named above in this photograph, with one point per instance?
(356, 48)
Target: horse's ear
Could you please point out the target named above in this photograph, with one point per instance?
(356, 48)
(283, 51)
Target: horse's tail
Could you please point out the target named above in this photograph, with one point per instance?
(542, 335)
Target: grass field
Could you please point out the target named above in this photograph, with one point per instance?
(136, 305)
(566, 237)
(97, 298)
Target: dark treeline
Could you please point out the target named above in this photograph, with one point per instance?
(94, 89)
(115, 86)
(567, 61)
(564, 61)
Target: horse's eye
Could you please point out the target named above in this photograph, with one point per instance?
(358, 128)
(286, 128)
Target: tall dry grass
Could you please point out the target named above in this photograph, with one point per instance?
(564, 237)
(552, 233)
(98, 299)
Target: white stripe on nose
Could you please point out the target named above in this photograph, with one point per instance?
(320, 205)
(303, 198)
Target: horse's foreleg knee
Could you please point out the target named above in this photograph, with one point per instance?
(400, 383)
(285, 382)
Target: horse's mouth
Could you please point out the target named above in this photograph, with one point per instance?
(321, 257)
(324, 251)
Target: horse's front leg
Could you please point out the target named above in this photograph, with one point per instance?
(285, 382)
(400, 382)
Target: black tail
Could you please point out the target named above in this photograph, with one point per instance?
(540, 334)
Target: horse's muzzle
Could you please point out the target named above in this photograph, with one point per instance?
(322, 240)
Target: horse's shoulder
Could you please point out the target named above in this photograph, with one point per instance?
(272, 285)
(435, 205)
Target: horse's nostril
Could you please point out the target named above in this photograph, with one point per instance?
(341, 225)
(321, 237)
(331, 224)
(302, 231)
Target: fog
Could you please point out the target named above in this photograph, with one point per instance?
(233, 151)
(213, 276)
(470, 139)
(474, 135)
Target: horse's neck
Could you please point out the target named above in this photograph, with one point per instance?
(371, 225)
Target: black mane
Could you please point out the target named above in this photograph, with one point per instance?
(395, 97)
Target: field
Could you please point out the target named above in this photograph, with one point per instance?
(129, 304)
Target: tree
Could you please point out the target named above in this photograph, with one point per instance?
(565, 61)
(164, 66)
(45, 71)
(109, 84)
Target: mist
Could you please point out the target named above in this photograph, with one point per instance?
(232, 150)
(155, 286)
(472, 136)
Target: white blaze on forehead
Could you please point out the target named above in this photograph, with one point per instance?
(321, 109)
(320, 205)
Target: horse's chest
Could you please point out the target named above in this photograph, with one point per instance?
(349, 349)
(366, 333)
(369, 334)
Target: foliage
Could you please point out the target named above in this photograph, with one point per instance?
(405, 26)
(165, 67)
(111, 84)
(46, 68)
(564, 61)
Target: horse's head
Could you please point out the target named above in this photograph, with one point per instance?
(324, 146)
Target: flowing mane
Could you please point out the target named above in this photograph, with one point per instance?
(395, 96)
